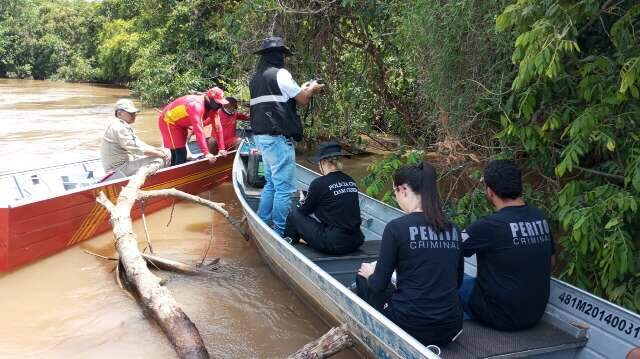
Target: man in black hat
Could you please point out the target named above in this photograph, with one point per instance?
(333, 199)
(276, 125)
(515, 255)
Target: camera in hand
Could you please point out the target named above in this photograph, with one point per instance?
(319, 80)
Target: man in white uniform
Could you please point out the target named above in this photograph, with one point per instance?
(122, 152)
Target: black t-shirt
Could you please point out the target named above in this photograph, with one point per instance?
(333, 198)
(429, 269)
(513, 248)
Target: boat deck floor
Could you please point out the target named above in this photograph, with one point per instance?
(476, 341)
(479, 341)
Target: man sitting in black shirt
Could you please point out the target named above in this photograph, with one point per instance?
(515, 254)
(333, 198)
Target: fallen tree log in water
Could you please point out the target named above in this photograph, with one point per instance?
(335, 340)
(147, 288)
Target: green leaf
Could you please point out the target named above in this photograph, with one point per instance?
(611, 146)
(636, 181)
(503, 21)
(612, 222)
(618, 291)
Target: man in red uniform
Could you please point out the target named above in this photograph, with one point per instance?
(223, 132)
(186, 112)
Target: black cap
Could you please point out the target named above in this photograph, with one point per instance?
(273, 44)
(329, 149)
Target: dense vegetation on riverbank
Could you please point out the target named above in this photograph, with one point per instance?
(554, 84)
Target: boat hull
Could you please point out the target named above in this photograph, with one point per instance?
(612, 331)
(34, 230)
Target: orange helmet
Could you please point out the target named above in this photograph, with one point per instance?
(217, 95)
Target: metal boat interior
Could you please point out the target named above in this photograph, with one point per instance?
(560, 334)
(36, 184)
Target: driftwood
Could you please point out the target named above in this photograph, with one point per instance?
(334, 341)
(154, 297)
(175, 266)
(171, 265)
(144, 224)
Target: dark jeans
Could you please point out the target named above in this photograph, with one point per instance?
(465, 294)
(321, 237)
(440, 335)
(178, 156)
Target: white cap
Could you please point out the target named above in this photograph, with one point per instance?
(126, 105)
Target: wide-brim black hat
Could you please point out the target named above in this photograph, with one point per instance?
(329, 149)
(273, 44)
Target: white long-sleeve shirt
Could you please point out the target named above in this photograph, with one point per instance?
(120, 145)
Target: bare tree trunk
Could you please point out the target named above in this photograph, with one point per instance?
(334, 341)
(155, 298)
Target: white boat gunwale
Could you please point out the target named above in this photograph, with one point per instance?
(27, 201)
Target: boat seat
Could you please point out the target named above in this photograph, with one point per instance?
(478, 341)
(342, 267)
(368, 250)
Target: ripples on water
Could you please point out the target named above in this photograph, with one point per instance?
(68, 305)
(47, 123)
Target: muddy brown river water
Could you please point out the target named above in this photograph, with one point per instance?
(69, 306)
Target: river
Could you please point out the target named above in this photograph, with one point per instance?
(69, 305)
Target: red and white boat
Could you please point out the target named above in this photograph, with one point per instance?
(46, 210)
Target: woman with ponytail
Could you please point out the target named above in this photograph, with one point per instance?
(424, 249)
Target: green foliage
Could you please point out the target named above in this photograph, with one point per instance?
(574, 109)
(458, 61)
(78, 69)
(378, 183)
(186, 46)
(119, 44)
(40, 37)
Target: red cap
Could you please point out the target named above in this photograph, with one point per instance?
(216, 94)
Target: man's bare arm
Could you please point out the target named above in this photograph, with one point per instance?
(307, 91)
